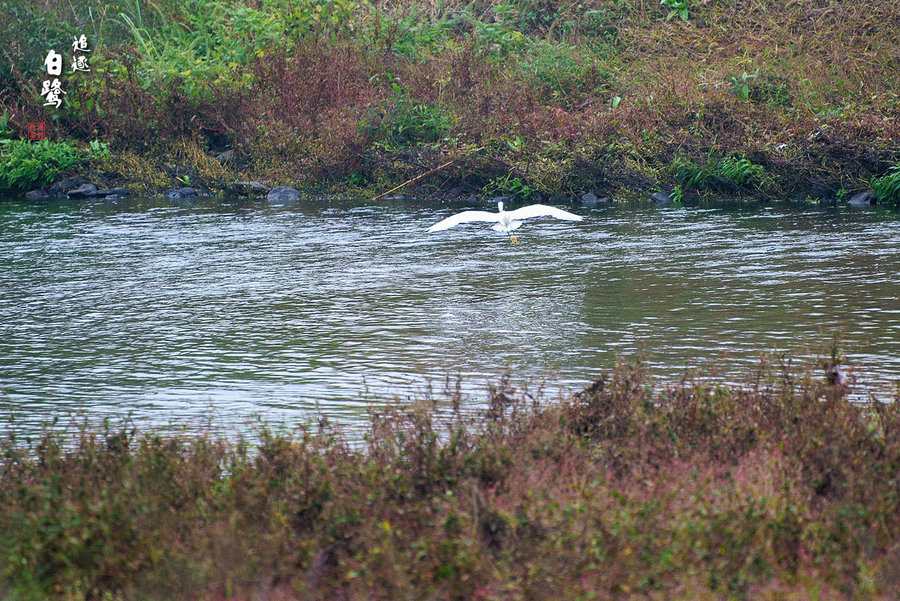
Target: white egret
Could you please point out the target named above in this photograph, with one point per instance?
(505, 221)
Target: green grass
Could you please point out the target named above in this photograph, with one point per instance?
(298, 89)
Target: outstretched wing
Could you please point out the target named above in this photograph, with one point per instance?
(543, 211)
(464, 217)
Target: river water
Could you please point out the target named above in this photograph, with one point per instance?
(223, 313)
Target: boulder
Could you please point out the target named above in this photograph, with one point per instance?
(863, 199)
(70, 183)
(249, 188)
(180, 193)
(83, 191)
(283, 195)
(36, 195)
(591, 200)
(471, 201)
(113, 193)
(662, 199)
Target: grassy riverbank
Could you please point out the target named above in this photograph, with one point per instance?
(777, 489)
(773, 99)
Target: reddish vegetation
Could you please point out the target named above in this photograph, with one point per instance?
(563, 97)
(777, 489)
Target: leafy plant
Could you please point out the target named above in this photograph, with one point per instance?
(358, 179)
(679, 7)
(208, 50)
(5, 132)
(516, 144)
(98, 150)
(499, 35)
(692, 175)
(25, 164)
(560, 71)
(739, 85)
(323, 17)
(887, 187)
(740, 170)
(399, 122)
(403, 124)
(513, 186)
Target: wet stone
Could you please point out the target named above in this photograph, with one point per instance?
(66, 184)
(113, 192)
(591, 200)
(180, 193)
(249, 188)
(662, 199)
(863, 199)
(83, 191)
(283, 195)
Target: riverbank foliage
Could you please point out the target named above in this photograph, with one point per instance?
(779, 488)
(562, 97)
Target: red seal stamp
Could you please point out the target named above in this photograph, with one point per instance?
(37, 131)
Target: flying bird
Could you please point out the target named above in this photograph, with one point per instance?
(504, 221)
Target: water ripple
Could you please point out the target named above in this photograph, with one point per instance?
(179, 313)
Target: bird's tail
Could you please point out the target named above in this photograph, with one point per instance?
(499, 227)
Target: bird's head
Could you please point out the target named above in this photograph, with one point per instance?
(500, 206)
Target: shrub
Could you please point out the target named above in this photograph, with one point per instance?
(25, 164)
(206, 52)
(740, 171)
(887, 187)
(626, 490)
(562, 72)
(28, 32)
(402, 124)
(730, 172)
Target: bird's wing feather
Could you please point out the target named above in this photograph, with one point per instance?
(464, 217)
(543, 211)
